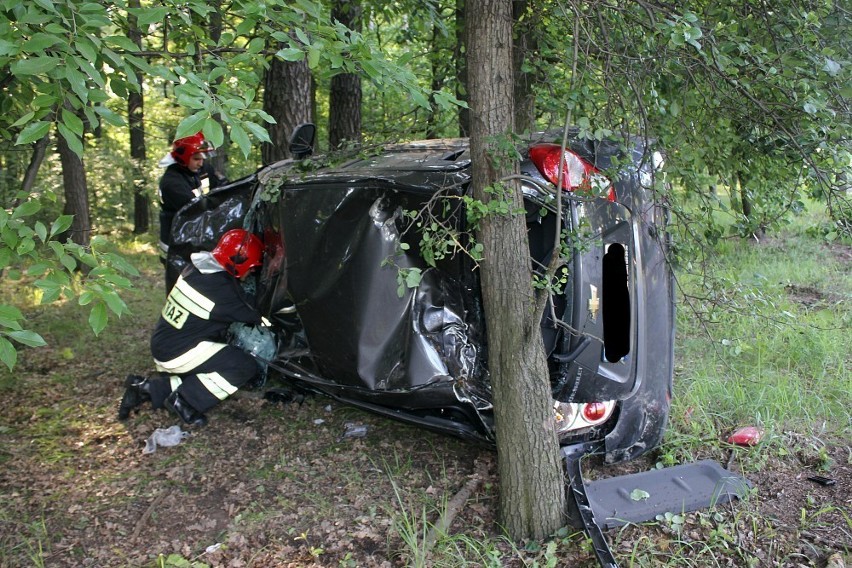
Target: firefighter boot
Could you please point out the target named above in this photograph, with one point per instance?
(137, 391)
(179, 406)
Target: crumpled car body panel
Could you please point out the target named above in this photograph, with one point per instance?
(330, 286)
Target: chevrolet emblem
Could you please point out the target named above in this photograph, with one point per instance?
(594, 303)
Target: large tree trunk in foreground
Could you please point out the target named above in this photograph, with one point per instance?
(532, 496)
(76, 193)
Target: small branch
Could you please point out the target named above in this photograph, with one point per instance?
(455, 504)
(143, 520)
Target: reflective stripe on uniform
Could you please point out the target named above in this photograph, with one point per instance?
(175, 382)
(217, 385)
(184, 300)
(187, 362)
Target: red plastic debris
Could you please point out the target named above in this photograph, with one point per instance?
(746, 436)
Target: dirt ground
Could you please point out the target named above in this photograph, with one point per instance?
(273, 484)
(268, 484)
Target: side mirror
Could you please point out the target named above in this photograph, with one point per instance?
(302, 141)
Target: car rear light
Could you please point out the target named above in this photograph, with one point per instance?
(594, 411)
(576, 172)
(576, 416)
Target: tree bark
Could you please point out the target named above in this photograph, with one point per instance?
(532, 496)
(76, 193)
(219, 160)
(525, 44)
(460, 57)
(344, 105)
(136, 120)
(287, 98)
(37, 158)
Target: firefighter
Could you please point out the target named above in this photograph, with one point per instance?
(197, 367)
(187, 176)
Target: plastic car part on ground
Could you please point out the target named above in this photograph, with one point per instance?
(746, 436)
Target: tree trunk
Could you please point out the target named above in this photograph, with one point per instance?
(219, 160)
(460, 57)
(441, 66)
(524, 44)
(37, 158)
(344, 104)
(76, 193)
(532, 497)
(136, 119)
(287, 98)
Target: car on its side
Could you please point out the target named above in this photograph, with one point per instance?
(338, 235)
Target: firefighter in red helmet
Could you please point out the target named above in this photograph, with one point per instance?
(187, 176)
(197, 368)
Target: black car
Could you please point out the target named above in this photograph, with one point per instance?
(336, 233)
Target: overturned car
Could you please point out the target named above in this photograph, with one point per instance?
(338, 235)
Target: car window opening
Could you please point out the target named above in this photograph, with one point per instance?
(616, 304)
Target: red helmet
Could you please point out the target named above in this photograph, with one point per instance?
(184, 148)
(239, 251)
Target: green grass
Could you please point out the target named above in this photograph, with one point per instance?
(768, 342)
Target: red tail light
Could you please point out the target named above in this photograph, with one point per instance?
(576, 172)
(594, 411)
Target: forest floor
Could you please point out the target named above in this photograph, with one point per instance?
(274, 484)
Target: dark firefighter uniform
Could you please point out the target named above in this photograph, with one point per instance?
(189, 342)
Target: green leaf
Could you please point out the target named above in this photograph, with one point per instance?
(74, 142)
(77, 80)
(256, 45)
(61, 224)
(98, 317)
(28, 338)
(73, 122)
(8, 354)
(26, 209)
(192, 124)
(115, 303)
(33, 131)
(259, 131)
(639, 495)
(313, 56)
(149, 15)
(24, 119)
(291, 54)
(239, 136)
(34, 65)
(87, 50)
(68, 262)
(121, 42)
(41, 230)
(9, 316)
(38, 269)
(107, 114)
(303, 37)
(217, 73)
(26, 246)
(121, 264)
(214, 133)
(41, 41)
